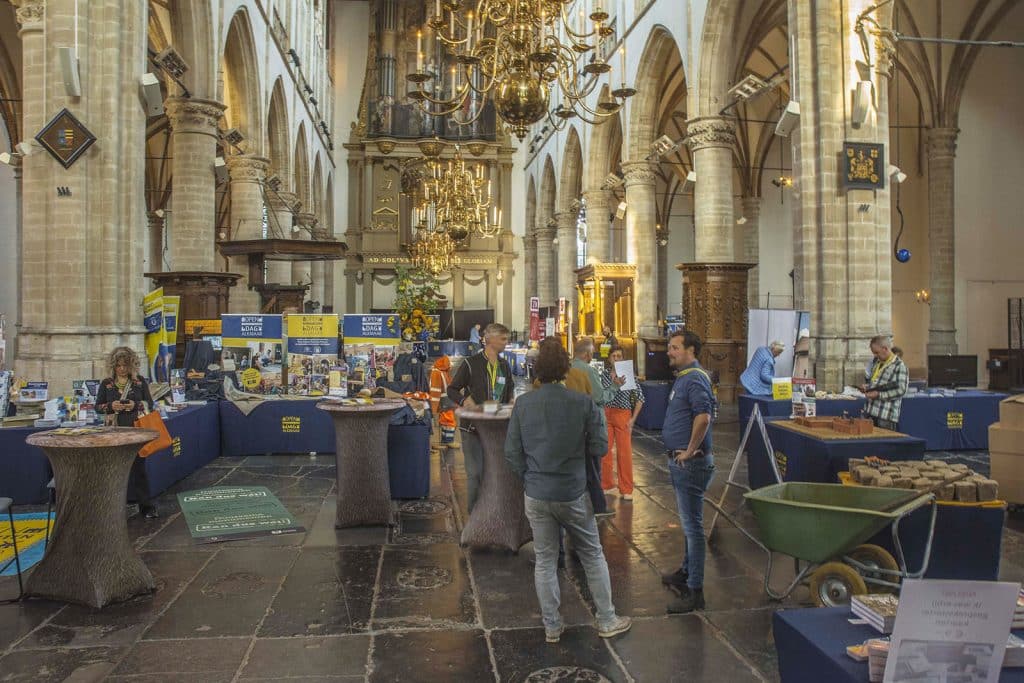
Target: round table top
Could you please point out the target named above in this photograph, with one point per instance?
(379, 405)
(91, 437)
(477, 413)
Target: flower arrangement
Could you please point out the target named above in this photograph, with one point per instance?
(416, 298)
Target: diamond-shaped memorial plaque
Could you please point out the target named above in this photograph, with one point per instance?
(66, 138)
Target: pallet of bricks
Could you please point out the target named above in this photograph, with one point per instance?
(1006, 449)
(922, 476)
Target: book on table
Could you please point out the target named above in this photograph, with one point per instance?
(877, 609)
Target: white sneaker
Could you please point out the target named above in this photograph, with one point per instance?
(628, 497)
(618, 625)
(554, 636)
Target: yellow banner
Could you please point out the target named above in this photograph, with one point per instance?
(313, 326)
(153, 318)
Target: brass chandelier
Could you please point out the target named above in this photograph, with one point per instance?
(431, 251)
(456, 200)
(511, 51)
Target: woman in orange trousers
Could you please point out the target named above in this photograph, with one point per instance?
(620, 413)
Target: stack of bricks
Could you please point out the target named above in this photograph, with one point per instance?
(923, 475)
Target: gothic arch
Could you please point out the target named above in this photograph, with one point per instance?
(605, 149)
(572, 171)
(716, 58)
(241, 82)
(661, 48)
(317, 190)
(531, 206)
(548, 191)
(277, 133)
(301, 169)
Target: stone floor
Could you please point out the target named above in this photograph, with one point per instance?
(407, 603)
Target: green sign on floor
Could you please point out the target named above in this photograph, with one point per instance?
(226, 513)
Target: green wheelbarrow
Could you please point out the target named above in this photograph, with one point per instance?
(823, 527)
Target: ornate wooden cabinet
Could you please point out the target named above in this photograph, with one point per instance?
(605, 299)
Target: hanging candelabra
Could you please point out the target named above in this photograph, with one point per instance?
(431, 251)
(512, 52)
(456, 199)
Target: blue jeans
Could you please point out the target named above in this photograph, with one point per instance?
(473, 457)
(547, 518)
(690, 480)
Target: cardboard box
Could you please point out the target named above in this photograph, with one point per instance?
(1005, 439)
(1008, 470)
(1011, 412)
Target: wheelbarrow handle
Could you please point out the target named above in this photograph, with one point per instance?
(918, 494)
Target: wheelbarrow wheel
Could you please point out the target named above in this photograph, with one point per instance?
(834, 583)
(876, 557)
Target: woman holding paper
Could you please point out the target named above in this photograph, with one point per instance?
(620, 413)
(123, 396)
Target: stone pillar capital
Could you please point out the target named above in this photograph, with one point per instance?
(30, 14)
(942, 142)
(248, 167)
(282, 200)
(306, 219)
(710, 131)
(545, 231)
(566, 220)
(639, 173)
(195, 116)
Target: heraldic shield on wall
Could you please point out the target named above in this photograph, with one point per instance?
(65, 138)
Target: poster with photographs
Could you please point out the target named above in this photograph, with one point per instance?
(359, 359)
(312, 343)
(252, 349)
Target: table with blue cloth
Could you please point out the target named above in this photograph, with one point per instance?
(195, 441)
(802, 457)
(195, 434)
(652, 415)
(517, 360)
(946, 423)
(811, 647)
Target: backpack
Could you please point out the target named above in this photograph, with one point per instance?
(714, 390)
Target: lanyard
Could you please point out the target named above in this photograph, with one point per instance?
(882, 366)
(492, 373)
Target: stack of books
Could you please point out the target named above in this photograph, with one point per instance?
(877, 609)
(1018, 612)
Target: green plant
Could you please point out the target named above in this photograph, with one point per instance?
(416, 298)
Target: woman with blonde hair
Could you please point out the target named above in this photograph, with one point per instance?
(123, 396)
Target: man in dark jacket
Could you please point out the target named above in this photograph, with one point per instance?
(551, 433)
(484, 376)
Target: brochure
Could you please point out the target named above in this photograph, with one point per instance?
(34, 391)
(804, 402)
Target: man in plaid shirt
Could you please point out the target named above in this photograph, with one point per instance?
(887, 380)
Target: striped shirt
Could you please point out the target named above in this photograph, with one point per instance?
(627, 399)
(891, 384)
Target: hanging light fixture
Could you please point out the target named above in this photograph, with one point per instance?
(431, 251)
(511, 51)
(457, 199)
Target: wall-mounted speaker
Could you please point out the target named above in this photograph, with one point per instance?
(69, 70)
(152, 99)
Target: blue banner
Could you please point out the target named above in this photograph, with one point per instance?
(382, 329)
(247, 328)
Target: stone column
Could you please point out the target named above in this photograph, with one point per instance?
(567, 257)
(302, 271)
(155, 220)
(941, 240)
(458, 288)
(747, 238)
(73, 312)
(367, 290)
(248, 172)
(712, 140)
(641, 218)
(281, 207)
(546, 263)
(193, 186)
(598, 226)
(842, 255)
(529, 271)
(318, 269)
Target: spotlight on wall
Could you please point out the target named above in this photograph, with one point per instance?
(896, 174)
(742, 220)
(782, 181)
(233, 137)
(69, 71)
(554, 240)
(861, 103)
(274, 183)
(7, 158)
(152, 98)
(220, 170)
(170, 61)
(159, 213)
(663, 242)
(611, 181)
(295, 57)
(26, 148)
(663, 146)
(788, 120)
(620, 210)
(750, 86)
(308, 89)
(688, 184)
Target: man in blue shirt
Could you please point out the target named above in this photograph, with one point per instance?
(687, 437)
(757, 378)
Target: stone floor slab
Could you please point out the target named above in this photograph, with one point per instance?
(291, 657)
(200, 659)
(522, 656)
(440, 657)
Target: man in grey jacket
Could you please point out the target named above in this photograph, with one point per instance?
(551, 433)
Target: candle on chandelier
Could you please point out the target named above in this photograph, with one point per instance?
(469, 32)
(622, 62)
(437, 8)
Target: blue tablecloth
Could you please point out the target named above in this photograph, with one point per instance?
(436, 349)
(195, 437)
(517, 360)
(292, 426)
(652, 415)
(811, 646)
(801, 457)
(24, 469)
(946, 423)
